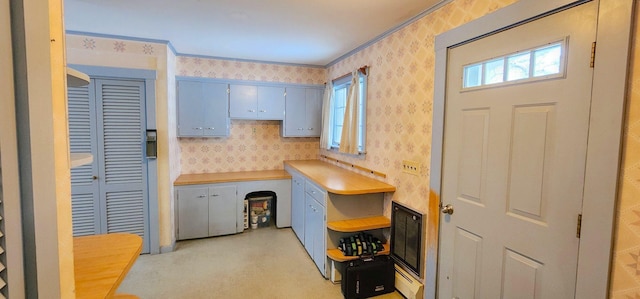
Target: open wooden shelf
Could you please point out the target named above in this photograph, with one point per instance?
(76, 78)
(79, 159)
(359, 224)
(336, 254)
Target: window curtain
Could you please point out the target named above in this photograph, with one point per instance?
(326, 117)
(349, 138)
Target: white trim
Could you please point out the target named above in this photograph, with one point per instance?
(609, 92)
(609, 89)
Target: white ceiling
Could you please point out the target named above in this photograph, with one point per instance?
(314, 32)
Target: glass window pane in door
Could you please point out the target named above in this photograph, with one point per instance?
(547, 60)
(518, 66)
(494, 71)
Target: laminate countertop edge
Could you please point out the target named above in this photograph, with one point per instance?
(338, 180)
(230, 177)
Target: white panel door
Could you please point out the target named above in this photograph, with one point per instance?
(514, 162)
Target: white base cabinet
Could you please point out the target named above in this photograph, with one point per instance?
(297, 206)
(193, 213)
(222, 210)
(308, 218)
(314, 241)
(206, 211)
(313, 207)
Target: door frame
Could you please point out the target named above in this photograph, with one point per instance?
(149, 77)
(605, 131)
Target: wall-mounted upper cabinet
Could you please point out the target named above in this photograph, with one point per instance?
(256, 102)
(202, 109)
(303, 115)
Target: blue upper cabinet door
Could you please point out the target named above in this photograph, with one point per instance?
(313, 112)
(215, 107)
(243, 101)
(271, 103)
(294, 118)
(190, 116)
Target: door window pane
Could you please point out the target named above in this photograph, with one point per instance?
(547, 60)
(518, 66)
(494, 71)
(472, 75)
(544, 61)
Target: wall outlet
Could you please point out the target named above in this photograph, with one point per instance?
(411, 167)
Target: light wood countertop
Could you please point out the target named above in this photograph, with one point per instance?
(102, 261)
(338, 180)
(226, 177)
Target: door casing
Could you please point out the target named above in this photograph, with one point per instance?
(605, 131)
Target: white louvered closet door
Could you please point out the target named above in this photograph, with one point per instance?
(110, 195)
(84, 179)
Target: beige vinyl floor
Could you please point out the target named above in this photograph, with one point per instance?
(262, 263)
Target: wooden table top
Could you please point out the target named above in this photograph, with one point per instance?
(226, 177)
(102, 261)
(338, 180)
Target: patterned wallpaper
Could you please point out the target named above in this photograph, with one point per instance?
(400, 97)
(626, 259)
(398, 112)
(252, 71)
(252, 145)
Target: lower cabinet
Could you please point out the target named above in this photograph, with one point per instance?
(222, 210)
(215, 209)
(297, 206)
(206, 211)
(314, 233)
(193, 213)
(320, 218)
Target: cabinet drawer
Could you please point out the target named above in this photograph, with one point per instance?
(315, 192)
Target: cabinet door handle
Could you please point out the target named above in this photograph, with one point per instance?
(250, 110)
(310, 129)
(215, 194)
(197, 128)
(202, 196)
(211, 128)
(263, 110)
